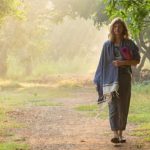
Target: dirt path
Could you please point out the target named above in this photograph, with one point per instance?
(63, 128)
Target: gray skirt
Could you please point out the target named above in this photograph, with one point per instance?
(119, 106)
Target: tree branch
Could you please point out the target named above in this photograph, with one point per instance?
(142, 41)
(140, 46)
(142, 62)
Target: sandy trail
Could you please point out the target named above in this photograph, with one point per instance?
(64, 128)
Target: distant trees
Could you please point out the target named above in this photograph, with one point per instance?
(7, 8)
(46, 31)
(40, 43)
(136, 13)
(23, 39)
(10, 8)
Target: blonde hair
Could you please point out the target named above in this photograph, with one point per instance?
(111, 35)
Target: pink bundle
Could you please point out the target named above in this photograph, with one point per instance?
(126, 53)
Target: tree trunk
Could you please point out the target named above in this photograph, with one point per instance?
(27, 64)
(3, 62)
(145, 51)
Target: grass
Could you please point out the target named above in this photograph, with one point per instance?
(94, 110)
(45, 103)
(2, 113)
(19, 98)
(140, 104)
(87, 108)
(142, 131)
(7, 123)
(13, 146)
(139, 110)
(31, 96)
(14, 96)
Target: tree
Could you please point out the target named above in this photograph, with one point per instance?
(136, 13)
(86, 9)
(25, 40)
(8, 8)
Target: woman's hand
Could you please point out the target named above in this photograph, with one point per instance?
(119, 63)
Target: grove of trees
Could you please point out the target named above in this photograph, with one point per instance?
(136, 14)
(52, 36)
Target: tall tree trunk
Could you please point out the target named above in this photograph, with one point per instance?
(145, 51)
(27, 64)
(3, 61)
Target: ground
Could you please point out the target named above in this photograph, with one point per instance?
(64, 128)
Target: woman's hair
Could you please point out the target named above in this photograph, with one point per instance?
(111, 35)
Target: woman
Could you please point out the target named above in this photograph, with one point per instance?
(113, 76)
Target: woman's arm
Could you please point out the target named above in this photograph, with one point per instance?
(119, 63)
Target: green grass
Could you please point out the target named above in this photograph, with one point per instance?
(11, 124)
(140, 104)
(87, 108)
(18, 98)
(139, 113)
(12, 97)
(139, 107)
(45, 103)
(93, 110)
(6, 124)
(13, 146)
(143, 131)
(2, 113)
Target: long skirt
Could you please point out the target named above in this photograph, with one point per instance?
(119, 106)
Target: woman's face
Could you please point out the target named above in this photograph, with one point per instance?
(118, 29)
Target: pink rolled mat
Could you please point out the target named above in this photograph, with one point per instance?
(126, 53)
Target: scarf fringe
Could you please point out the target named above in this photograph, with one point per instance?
(108, 97)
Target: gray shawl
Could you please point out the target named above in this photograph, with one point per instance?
(106, 76)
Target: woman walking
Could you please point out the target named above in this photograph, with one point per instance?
(113, 76)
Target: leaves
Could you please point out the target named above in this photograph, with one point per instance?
(11, 8)
(134, 12)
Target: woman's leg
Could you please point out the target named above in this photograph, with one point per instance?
(120, 133)
(124, 100)
(116, 135)
(114, 115)
(114, 119)
(121, 138)
(119, 107)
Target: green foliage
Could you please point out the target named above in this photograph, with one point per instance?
(11, 8)
(136, 13)
(36, 46)
(86, 9)
(74, 8)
